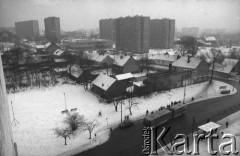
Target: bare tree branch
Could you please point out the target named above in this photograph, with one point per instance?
(131, 104)
(90, 126)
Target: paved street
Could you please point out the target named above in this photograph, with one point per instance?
(128, 142)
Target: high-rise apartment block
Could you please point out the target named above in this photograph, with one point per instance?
(132, 34)
(27, 29)
(52, 29)
(107, 29)
(162, 33)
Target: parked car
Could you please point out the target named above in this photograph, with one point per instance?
(225, 91)
(125, 124)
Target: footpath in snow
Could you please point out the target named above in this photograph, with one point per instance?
(38, 112)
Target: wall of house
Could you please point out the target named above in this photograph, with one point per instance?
(116, 90)
(167, 81)
(117, 69)
(131, 66)
(220, 74)
(163, 62)
(237, 67)
(6, 141)
(108, 61)
(202, 69)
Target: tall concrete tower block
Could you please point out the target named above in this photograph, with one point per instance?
(6, 141)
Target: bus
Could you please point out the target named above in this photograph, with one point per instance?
(164, 115)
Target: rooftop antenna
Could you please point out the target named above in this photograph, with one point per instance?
(14, 119)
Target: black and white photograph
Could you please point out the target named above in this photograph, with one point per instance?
(119, 77)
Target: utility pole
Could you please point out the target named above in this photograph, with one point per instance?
(122, 102)
(184, 94)
(65, 101)
(193, 125)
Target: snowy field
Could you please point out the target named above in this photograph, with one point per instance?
(39, 112)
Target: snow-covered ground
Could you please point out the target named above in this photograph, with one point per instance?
(38, 112)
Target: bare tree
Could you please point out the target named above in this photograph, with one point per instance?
(188, 45)
(214, 55)
(74, 121)
(90, 126)
(63, 133)
(131, 104)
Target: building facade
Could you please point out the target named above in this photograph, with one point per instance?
(125, 64)
(107, 29)
(52, 29)
(27, 29)
(88, 44)
(6, 139)
(162, 33)
(132, 34)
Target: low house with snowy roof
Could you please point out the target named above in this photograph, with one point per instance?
(108, 87)
(39, 47)
(198, 66)
(210, 40)
(126, 78)
(232, 62)
(162, 59)
(221, 70)
(60, 66)
(103, 60)
(125, 64)
(80, 76)
(51, 47)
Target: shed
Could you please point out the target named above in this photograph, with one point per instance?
(107, 87)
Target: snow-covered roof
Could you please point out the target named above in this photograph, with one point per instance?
(222, 68)
(60, 69)
(103, 81)
(47, 44)
(75, 71)
(139, 74)
(209, 126)
(59, 60)
(231, 62)
(95, 56)
(210, 38)
(124, 76)
(139, 83)
(162, 51)
(40, 46)
(58, 52)
(184, 63)
(165, 57)
(138, 56)
(121, 60)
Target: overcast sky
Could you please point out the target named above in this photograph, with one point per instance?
(77, 14)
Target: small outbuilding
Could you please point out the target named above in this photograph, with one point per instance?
(108, 87)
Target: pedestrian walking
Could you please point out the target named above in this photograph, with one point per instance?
(227, 124)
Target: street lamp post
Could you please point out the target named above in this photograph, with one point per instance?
(184, 94)
(65, 101)
(107, 122)
(121, 109)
